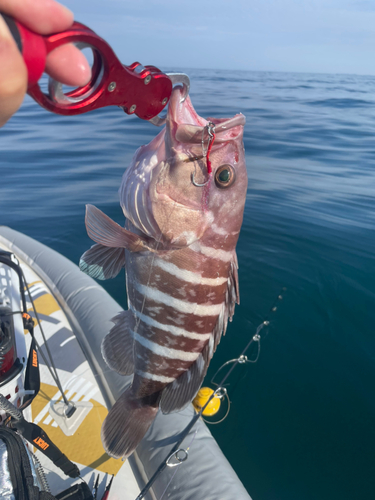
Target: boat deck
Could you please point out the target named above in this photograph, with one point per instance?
(83, 445)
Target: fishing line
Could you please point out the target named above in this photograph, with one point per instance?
(13, 263)
(223, 418)
(220, 391)
(241, 376)
(138, 320)
(176, 468)
(54, 375)
(211, 137)
(210, 128)
(242, 359)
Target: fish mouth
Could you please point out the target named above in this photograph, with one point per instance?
(186, 126)
(183, 112)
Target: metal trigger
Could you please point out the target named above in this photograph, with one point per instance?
(176, 78)
(184, 80)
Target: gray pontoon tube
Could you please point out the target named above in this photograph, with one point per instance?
(207, 474)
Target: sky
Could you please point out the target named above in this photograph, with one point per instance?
(313, 36)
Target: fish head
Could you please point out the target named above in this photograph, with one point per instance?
(182, 198)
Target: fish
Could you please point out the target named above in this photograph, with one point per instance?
(183, 198)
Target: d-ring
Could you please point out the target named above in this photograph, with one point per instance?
(197, 183)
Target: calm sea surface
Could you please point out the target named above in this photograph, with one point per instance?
(301, 426)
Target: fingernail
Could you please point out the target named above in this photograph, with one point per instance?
(4, 31)
(67, 11)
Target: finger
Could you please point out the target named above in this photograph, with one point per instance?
(42, 16)
(68, 65)
(13, 75)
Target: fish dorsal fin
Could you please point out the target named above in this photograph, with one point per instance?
(117, 346)
(102, 262)
(232, 297)
(108, 233)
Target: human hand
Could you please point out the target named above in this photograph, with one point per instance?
(66, 64)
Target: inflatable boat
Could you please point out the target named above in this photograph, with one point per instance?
(69, 314)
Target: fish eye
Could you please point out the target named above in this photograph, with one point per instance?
(225, 176)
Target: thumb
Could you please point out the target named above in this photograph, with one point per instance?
(13, 75)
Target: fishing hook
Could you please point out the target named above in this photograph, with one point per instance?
(197, 183)
(210, 127)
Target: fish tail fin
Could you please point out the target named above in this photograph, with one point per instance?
(126, 424)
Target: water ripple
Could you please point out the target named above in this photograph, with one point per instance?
(308, 225)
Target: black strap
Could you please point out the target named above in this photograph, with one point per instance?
(32, 376)
(15, 461)
(37, 437)
(76, 492)
(19, 468)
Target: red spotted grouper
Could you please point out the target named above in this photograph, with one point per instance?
(183, 217)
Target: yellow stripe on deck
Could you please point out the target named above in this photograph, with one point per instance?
(45, 304)
(85, 446)
(32, 283)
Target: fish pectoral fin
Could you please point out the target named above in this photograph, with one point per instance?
(178, 394)
(102, 262)
(103, 230)
(118, 344)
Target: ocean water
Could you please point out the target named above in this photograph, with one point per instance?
(301, 424)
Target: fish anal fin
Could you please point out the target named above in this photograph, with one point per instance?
(178, 394)
(118, 345)
(103, 230)
(102, 262)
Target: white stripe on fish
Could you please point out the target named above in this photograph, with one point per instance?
(218, 230)
(137, 210)
(165, 351)
(223, 232)
(213, 253)
(152, 229)
(180, 305)
(174, 330)
(156, 378)
(188, 276)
